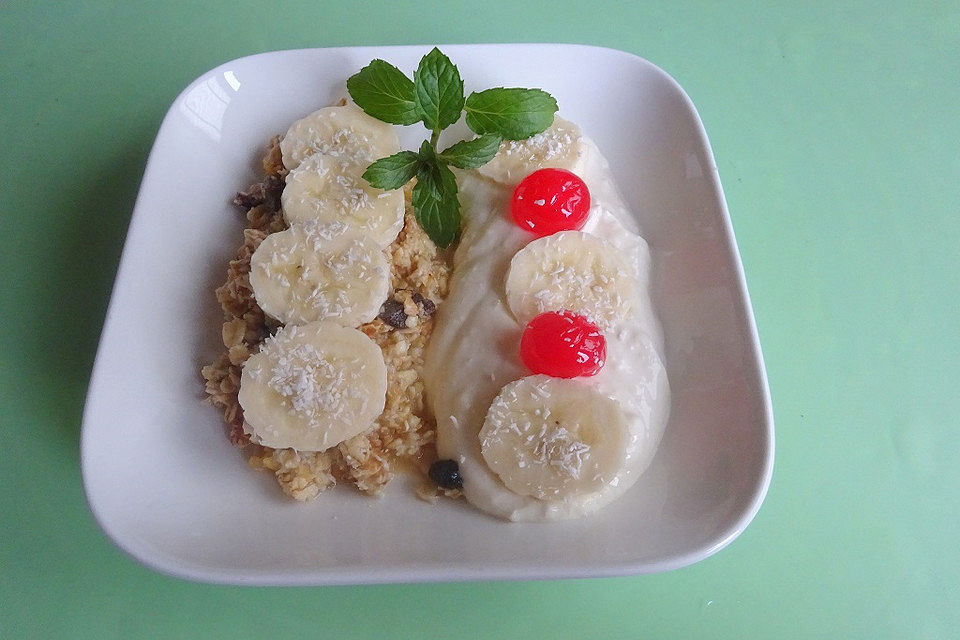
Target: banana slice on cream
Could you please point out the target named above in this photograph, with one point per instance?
(552, 438)
(572, 271)
(561, 146)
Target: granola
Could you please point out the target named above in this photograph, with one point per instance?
(404, 433)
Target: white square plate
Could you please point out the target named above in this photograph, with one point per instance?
(168, 488)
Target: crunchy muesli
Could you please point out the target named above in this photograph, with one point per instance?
(405, 432)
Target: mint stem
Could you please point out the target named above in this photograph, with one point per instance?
(434, 138)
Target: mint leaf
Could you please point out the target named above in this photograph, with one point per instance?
(471, 154)
(438, 91)
(435, 203)
(428, 155)
(393, 171)
(515, 114)
(384, 92)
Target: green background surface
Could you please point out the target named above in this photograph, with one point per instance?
(836, 132)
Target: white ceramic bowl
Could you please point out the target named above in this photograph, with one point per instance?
(168, 488)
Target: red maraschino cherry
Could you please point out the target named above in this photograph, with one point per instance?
(563, 344)
(550, 200)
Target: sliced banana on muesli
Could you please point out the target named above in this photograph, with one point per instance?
(313, 386)
(344, 131)
(561, 146)
(326, 189)
(552, 438)
(572, 271)
(316, 271)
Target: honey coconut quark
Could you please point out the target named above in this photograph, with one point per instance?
(532, 447)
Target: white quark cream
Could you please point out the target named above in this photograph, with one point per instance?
(474, 350)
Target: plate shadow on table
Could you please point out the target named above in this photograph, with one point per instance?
(81, 262)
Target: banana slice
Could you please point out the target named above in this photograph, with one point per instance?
(573, 271)
(319, 271)
(312, 387)
(552, 438)
(326, 189)
(561, 146)
(343, 131)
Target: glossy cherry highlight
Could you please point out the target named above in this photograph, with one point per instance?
(550, 200)
(563, 344)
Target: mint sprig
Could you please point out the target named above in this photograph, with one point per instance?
(435, 97)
